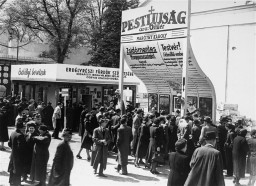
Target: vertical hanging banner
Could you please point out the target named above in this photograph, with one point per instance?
(154, 42)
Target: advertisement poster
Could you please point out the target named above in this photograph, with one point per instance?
(152, 101)
(164, 103)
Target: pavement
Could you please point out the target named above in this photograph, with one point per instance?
(82, 172)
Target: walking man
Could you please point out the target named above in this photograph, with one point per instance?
(101, 139)
(124, 137)
(206, 164)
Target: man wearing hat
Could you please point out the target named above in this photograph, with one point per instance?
(206, 164)
(135, 130)
(124, 138)
(17, 143)
(47, 113)
(63, 162)
(115, 121)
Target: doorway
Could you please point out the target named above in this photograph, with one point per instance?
(87, 100)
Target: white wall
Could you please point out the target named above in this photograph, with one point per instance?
(228, 42)
(242, 73)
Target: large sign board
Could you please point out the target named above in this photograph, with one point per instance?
(154, 41)
(70, 73)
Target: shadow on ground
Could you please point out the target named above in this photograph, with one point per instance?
(133, 178)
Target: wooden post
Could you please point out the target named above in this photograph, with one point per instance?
(185, 66)
(121, 79)
(65, 112)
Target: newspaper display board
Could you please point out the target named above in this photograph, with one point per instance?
(154, 41)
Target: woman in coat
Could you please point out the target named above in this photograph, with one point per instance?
(172, 132)
(87, 137)
(101, 139)
(62, 162)
(40, 156)
(143, 141)
(239, 152)
(228, 148)
(31, 126)
(153, 155)
(252, 157)
(179, 164)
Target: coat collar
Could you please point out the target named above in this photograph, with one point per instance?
(209, 145)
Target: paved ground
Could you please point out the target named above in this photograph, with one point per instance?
(82, 173)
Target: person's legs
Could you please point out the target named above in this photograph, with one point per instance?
(78, 154)
(118, 168)
(88, 154)
(124, 170)
(153, 168)
(57, 129)
(2, 146)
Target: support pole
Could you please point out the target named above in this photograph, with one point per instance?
(65, 112)
(185, 66)
(121, 79)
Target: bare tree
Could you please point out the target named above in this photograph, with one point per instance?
(2, 2)
(57, 21)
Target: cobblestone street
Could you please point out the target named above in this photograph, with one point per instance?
(82, 172)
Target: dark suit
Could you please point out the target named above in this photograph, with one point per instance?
(124, 137)
(228, 152)
(62, 165)
(17, 143)
(179, 168)
(99, 150)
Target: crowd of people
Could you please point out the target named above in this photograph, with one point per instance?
(197, 150)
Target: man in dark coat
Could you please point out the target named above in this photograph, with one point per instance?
(3, 127)
(135, 130)
(62, 162)
(172, 132)
(229, 147)
(124, 137)
(101, 138)
(115, 121)
(206, 165)
(47, 113)
(239, 152)
(17, 143)
(222, 134)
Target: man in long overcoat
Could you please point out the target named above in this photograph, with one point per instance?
(101, 139)
(47, 113)
(3, 127)
(239, 152)
(206, 165)
(124, 138)
(62, 162)
(135, 130)
(17, 143)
